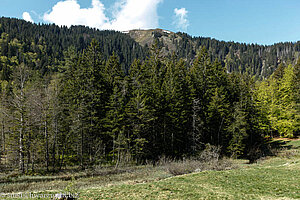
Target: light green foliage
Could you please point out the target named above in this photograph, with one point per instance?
(287, 123)
(276, 98)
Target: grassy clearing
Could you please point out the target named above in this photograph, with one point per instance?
(273, 180)
(256, 183)
(270, 178)
(79, 180)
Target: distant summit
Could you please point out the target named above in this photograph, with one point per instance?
(168, 40)
(253, 59)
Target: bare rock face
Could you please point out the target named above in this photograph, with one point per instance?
(168, 39)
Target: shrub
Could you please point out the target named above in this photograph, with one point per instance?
(190, 166)
(183, 167)
(289, 153)
(210, 153)
(208, 159)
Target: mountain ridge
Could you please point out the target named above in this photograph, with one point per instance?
(212, 38)
(253, 59)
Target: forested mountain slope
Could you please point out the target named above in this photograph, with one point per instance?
(67, 102)
(44, 45)
(253, 59)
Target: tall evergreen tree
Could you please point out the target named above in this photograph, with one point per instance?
(116, 115)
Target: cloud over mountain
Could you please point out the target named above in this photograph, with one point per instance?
(128, 14)
(181, 20)
(26, 16)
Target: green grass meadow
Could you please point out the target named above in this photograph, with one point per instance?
(276, 179)
(270, 178)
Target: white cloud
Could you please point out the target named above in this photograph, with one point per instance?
(69, 13)
(127, 14)
(26, 16)
(181, 20)
(134, 14)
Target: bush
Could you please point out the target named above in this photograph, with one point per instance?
(210, 153)
(289, 153)
(208, 159)
(183, 167)
(190, 166)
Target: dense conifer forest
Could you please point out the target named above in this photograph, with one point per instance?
(82, 97)
(252, 59)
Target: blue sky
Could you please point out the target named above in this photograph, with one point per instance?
(250, 21)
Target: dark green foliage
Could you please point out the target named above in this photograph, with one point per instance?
(42, 46)
(253, 59)
(90, 108)
(46, 43)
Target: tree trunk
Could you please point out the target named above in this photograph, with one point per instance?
(32, 162)
(28, 153)
(47, 145)
(62, 157)
(21, 153)
(82, 148)
(118, 159)
(3, 141)
(194, 128)
(54, 146)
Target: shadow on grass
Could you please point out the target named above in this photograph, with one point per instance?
(271, 147)
(280, 145)
(17, 178)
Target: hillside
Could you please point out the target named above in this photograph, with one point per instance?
(253, 59)
(168, 40)
(47, 44)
